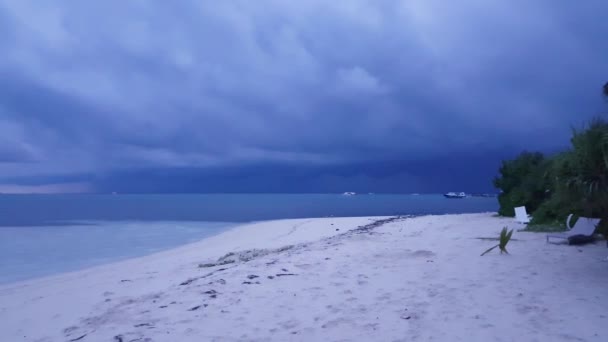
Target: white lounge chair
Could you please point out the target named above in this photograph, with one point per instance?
(584, 226)
(521, 215)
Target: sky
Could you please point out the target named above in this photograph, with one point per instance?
(290, 96)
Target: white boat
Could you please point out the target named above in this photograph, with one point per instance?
(348, 193)
(455, 195)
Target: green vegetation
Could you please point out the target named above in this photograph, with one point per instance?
(574, 181)
(522, 182)
(503, 240)
(545, 228)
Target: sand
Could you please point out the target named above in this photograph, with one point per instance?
(328, 279)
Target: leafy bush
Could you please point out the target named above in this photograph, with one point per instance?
(572, 182)
(523, 182)
(575, 181)
(580, 177)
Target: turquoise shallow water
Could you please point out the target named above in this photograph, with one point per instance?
(33, 251)
(47, 234)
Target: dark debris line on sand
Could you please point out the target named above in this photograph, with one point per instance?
(198, 307)
(247, 255)
(191, 280)
(371, 226)
(237, 258)
(78, 338)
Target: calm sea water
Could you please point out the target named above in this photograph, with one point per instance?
(47, 234)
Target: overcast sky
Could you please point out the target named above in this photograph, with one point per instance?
(265, 95)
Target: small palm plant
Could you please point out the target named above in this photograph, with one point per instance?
(505, 237)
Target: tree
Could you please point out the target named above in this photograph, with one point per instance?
(588, 171)
(523, 182)
(580, 177)
(574, 181)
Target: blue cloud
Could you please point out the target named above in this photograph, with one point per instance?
(103, 88)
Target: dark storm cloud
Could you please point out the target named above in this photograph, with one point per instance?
(101, 88)
(13, 154)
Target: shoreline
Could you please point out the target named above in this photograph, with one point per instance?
(93, 259)
(236, 228)
(388, 281)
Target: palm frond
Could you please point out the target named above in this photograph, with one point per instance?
(489, 250)
(503, 240)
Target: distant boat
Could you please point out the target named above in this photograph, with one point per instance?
(455, 195)
(348, 193)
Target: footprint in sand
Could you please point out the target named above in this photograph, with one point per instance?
(371, 326)
(304, 266)
(362, 308)
(336, 322)
(432, 292)
(422, 254)
(290, 324)
(384, 297)
(314, 288)
(525, 309)
(332, 309)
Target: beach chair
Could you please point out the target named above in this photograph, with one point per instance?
(584, 226)
(521, 215)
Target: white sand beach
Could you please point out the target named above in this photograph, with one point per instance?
(328, 279)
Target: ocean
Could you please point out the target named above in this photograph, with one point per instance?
(47, 234)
